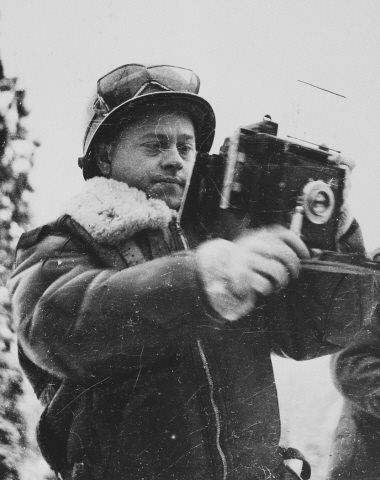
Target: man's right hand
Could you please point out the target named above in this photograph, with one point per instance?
(261, 262)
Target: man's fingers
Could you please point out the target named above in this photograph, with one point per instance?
(340, 159)
(246, 282)
(276, 270)
(266, 277)
(293, 241)
(279, 252)
(258, 283)
(271, 242)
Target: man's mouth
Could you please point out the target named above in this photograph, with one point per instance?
(174, 180)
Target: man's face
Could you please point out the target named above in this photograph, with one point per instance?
(155, 154)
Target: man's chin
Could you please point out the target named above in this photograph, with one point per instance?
(170, 193)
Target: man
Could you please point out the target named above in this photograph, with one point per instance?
(355, 453)
(153, 361)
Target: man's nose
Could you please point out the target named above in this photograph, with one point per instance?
(171, 159)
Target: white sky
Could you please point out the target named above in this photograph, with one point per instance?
(248, 53)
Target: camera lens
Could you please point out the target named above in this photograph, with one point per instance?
(319, 201)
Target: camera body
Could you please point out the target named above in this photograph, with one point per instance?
(259, 179)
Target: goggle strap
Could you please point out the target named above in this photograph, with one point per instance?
(100, 105)
(147, 84)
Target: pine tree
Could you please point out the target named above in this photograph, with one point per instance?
(18, 451)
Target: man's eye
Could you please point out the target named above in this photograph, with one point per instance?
(153, 146)
(186, 148)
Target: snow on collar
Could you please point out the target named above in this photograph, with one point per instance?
(111, 211)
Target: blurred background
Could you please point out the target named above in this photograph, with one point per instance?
(253, 58)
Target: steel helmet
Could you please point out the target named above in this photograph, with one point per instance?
(127, 88)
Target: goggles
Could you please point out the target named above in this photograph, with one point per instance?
(132, 80)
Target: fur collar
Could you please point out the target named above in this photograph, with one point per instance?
(112, 212)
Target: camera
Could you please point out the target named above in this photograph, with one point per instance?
(259, 179)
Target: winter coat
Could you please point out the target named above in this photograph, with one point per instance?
(356, 448)
(140, 378)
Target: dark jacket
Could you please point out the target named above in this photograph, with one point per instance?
(140, 377)
(356, 452)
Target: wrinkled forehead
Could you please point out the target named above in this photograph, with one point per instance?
(160, 120)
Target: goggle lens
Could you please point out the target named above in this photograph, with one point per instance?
(125, 82)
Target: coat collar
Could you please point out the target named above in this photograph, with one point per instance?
(112, 212)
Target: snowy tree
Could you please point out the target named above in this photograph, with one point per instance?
(19, 457)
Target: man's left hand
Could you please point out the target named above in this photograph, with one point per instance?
(345, 217)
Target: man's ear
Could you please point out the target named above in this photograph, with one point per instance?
(102, 159)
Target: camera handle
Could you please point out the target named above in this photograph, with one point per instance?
(297, 217)
(329, 261)
(343, 263)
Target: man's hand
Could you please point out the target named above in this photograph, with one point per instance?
(260, 262)
(345, 217)
(350, 164)
(340, 159)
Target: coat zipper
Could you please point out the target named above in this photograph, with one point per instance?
(208, 375)
(181, 236)
(214, 407)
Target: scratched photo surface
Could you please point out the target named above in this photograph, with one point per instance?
(313, 66)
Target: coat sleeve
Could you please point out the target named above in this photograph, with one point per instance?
(77, 319)
(357, 369)
(321, 312)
